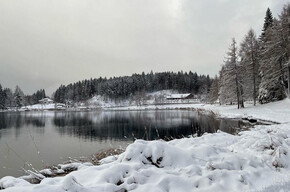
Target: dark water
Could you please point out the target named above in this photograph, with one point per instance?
(45, 138)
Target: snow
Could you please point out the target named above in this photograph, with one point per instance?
(178, 96)
(100, 102)
(46, 100)
(254, 160)
(276, 112)
(213, 162)
(41, 107)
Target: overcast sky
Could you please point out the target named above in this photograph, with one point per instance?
(45, 43)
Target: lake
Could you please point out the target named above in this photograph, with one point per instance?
(39, 139)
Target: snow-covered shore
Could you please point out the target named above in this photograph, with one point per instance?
(277, 111)
(256, 160)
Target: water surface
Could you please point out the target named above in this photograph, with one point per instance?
(39, 139)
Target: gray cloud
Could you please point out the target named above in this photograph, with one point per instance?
(45, 43)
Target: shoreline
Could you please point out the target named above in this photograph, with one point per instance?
(262, 131)
(227, 111)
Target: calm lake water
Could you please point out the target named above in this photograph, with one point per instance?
(46, 138)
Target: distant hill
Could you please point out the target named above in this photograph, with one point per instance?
(120, 88)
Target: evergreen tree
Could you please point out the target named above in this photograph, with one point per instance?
(284, 47)
(272, 64)
(268, 22)
(230, 84)
(9, 100)
(214, 90)
(249, 54)
(2, 98)
(19, 97)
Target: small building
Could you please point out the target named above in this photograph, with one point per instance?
(180, 96)
(46, 101)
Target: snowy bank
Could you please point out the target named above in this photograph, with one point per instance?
(277, 111)
(254, 160)
(257, 160)
(41, 107)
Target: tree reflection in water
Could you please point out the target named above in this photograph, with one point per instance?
(120, 125)
(53, 136)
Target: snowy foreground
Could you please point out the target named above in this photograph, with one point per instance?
(255, 160)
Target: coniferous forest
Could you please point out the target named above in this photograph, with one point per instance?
(125, 87)
(16, 98)
(258, 69)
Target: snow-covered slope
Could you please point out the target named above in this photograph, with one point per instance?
(145, 99)
(101, 102)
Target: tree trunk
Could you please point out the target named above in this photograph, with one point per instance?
(254, 79)
(289, 80)
(241, 95)
(237, 85)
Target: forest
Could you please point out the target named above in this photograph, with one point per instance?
(116, 88)
(259, 69)
(17, 99)
(128, 86)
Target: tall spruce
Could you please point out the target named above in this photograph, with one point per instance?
(268, 22)
(274, 67)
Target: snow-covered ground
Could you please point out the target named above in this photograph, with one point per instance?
(277, 111)
(154, 98)
(41, 107)
(100, 102)
(255, 160)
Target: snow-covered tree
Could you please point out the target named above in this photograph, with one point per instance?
(214, 90)
(274, 68)
(2, 98)
(230, 79)
(284, 45)
(249, 54)
(19, 97)
(268, 22)
(9, 99)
